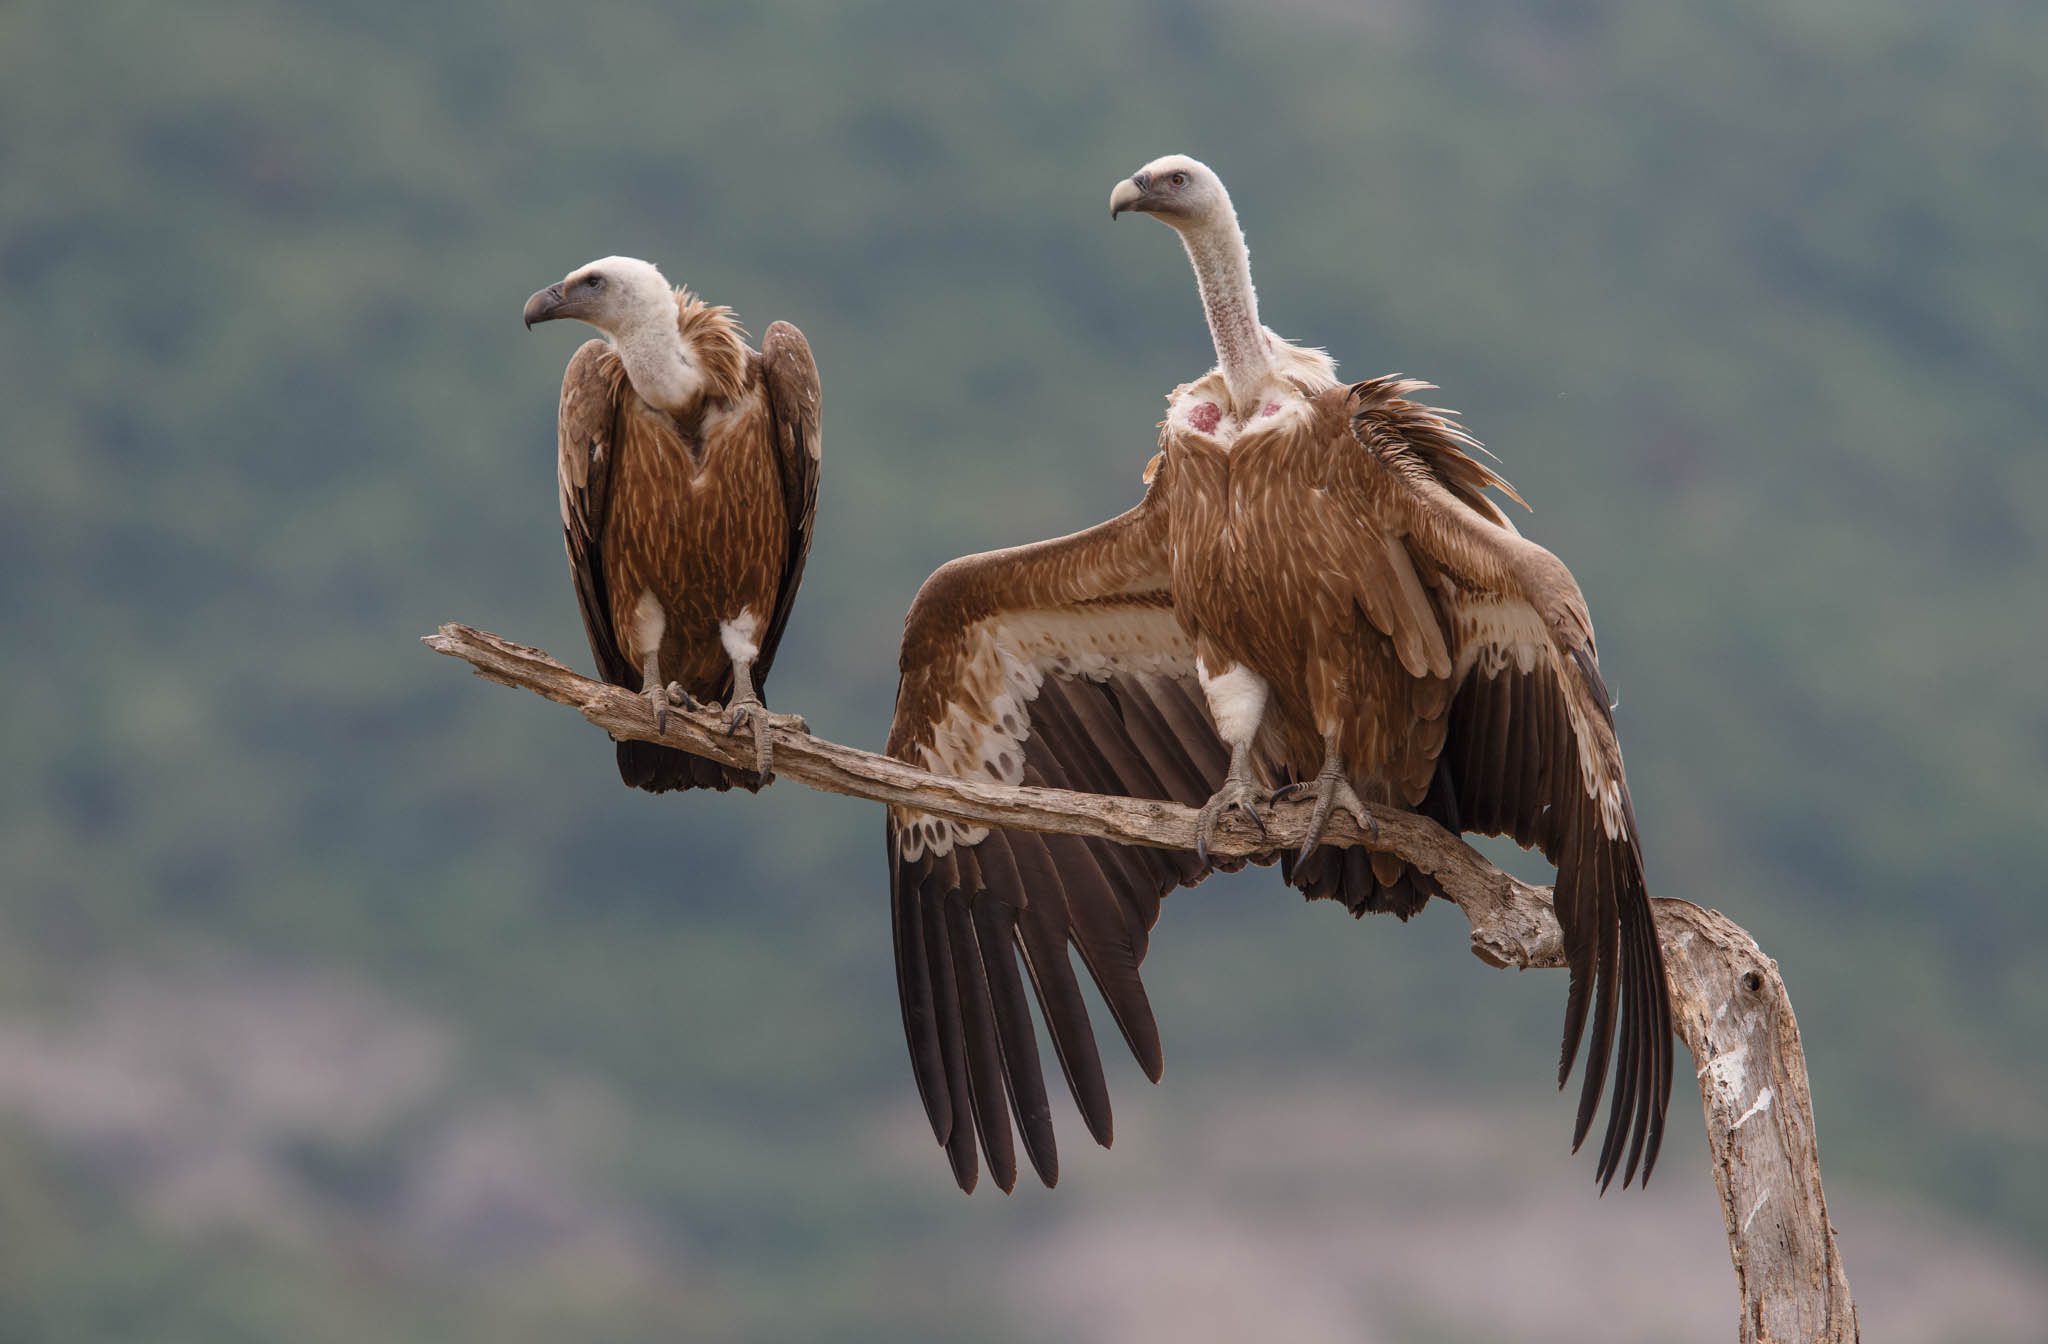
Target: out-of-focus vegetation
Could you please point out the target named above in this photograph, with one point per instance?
(1749, 298)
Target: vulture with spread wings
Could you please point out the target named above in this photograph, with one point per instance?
(1315, 595)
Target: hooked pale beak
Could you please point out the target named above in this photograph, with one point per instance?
(544, 306)
(1126, 196)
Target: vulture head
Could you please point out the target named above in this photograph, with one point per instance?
(615, 295)
(1180, 191)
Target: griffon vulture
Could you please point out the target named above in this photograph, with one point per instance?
(689, 478)
(1319, 568)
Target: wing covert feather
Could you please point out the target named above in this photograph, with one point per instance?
(586, 432)
(796, 419)
(1060, 664)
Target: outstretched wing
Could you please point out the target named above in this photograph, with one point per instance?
(1531, 752)
(795, 409)
(1058, 664)
(587, 431)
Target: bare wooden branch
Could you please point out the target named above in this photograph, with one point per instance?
(1730, 1005)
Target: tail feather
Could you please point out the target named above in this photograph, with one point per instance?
(658, 769)
(1345, 874)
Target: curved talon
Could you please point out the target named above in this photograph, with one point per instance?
(1332, 789)
(764, 746)
(658, 699)
(678, 694)
(757, 716)
(752, 713)
(1235, 795)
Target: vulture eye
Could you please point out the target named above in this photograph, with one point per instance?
(1179, 179)
(594, 282)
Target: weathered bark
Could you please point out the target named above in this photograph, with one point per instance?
(1732, 1012)
(1728, 1001)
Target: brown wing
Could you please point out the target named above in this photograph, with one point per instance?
(1531, 752)
(1058, 664)
(587, 432)
(795, 408)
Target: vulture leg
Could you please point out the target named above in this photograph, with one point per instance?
(1237, 703)
(747, 709)
(1237, 794)
(656, 693)
(1332, 789)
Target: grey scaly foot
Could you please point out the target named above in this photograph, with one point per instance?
(1333, 790)
(656, 693)
(747, 708)
(760, 718)
(678, 694)
(1233, 795)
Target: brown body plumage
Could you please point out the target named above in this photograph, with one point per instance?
(687, 523)
(1315, 589)
(1273, 572)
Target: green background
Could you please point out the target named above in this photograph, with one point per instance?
(345, 997)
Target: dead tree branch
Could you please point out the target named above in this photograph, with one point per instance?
(1730, 1005)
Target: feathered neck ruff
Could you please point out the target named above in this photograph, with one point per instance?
(714, 342)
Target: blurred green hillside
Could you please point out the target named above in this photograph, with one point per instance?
(1751, 299)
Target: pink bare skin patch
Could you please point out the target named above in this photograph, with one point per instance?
(1206, 417)
(1271, 408)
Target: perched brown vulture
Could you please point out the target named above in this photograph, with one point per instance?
(689, 478)
(1315, 594)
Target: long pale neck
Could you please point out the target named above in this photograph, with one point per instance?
(657, 361)
(1223, 272)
